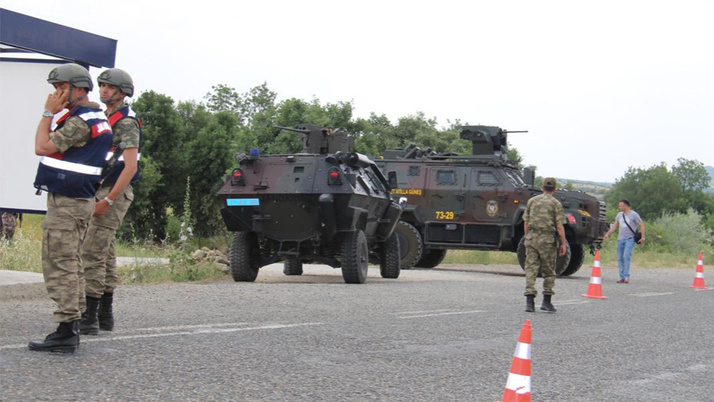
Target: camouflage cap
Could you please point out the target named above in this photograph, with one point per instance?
(549, 182)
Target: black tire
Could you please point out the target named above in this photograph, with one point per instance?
(560, 264)
(355, 257)
(243, 257)
(431, 258)
(292, 266)
(577, 256)
(410, 245)
(389, 265)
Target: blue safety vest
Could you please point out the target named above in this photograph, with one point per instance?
(75, 172)
(120, 114)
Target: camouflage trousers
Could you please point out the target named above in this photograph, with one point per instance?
(98, 252)
(8, 225)
(62, 232)
(541, 253)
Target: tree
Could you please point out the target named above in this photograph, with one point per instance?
(210, 159)
(163, 143)
(650, 191)
(692, 175)
(224, 98)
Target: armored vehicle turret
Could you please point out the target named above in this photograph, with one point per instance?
(323, 205)
(476, 202)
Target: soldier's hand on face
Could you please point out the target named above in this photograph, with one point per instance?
(57, 101)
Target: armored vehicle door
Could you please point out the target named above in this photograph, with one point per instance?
(496, 199)
(410, 184)
(442, 206)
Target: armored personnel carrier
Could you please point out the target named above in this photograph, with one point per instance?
(323, 205)
(477, 201)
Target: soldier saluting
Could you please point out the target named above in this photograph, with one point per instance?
(542, 219)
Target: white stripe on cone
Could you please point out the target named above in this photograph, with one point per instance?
(523, 351)
(521, 384)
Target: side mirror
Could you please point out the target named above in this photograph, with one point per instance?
(392, 179)
(529, 176)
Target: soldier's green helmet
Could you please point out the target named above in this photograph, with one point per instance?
(73, 73)
(118, 78)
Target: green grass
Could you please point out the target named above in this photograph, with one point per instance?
(643, 256)
(23, 253)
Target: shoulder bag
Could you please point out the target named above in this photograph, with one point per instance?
(638, 235)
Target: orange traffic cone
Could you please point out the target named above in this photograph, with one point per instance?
(699, 275)
(595, 287)
(518, 386)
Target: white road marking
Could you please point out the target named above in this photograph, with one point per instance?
(184, 327)
(441, 314)
(651, 294)
(423, 311)
(84, 339)
(568, 302)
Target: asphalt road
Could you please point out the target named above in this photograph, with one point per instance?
(446, 334)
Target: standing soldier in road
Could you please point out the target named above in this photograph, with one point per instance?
(113, 199)
(542, 219)
(73, 156)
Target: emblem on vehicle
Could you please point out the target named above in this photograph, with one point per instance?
(492, 208)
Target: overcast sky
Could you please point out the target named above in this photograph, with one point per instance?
(600, 86)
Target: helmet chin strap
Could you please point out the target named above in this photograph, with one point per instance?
(111, 98)
(71, 101)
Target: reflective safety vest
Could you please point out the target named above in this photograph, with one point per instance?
(75, 172)
(123, 113)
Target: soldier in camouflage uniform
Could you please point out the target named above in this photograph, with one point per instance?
(113, 197)
(73, 156)
(542, 220)
(8, 225)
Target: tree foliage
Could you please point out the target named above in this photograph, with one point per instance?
(196, 142)
(658, 190)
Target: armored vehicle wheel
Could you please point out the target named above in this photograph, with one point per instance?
(577, 256)
(389, 266)
(243, 257)
(431, 258)
(355, 257)
(292, 266)
(410, 245)
(560, 264)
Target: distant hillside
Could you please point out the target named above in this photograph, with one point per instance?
(598, 189)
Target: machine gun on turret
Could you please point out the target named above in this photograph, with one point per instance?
(322, 140)
(487, 140)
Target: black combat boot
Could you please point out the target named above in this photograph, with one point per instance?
(547, 305)
(89, 324)
(106, 316)
(65, 339)
(530, 303)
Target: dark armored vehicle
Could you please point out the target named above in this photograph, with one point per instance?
(476, 202)
(324, 205)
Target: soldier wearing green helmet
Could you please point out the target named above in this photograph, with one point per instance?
(74, 75)
(73, 155)
(114, 197)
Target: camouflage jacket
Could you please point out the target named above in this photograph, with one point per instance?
(544, 213)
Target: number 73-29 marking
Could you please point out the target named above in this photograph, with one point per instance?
(448, 215)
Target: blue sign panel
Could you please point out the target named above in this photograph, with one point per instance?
(243, 202)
